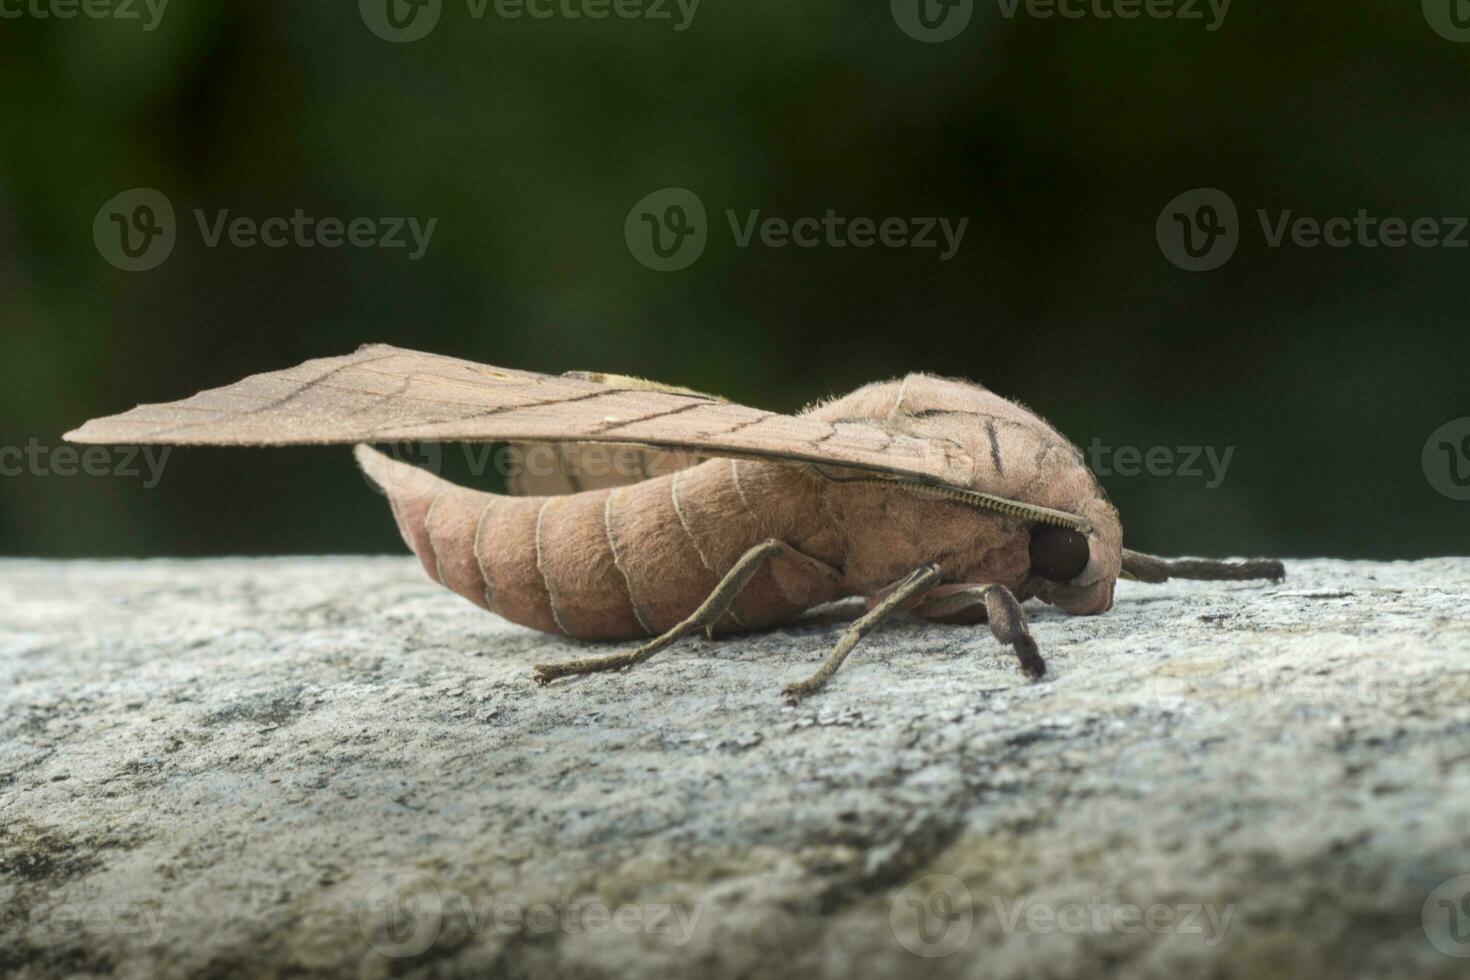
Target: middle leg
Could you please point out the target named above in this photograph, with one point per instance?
(918, 582)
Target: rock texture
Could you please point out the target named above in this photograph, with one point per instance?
(332, 766)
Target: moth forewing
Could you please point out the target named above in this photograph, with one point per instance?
(383, 394)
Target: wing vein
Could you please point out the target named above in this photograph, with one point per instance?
(607, 427)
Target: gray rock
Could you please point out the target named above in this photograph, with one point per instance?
(333, 766)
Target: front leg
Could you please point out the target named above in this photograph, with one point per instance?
(998, 606)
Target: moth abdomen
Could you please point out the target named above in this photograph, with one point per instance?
(578, 568)
(610, 564)
(480, 545)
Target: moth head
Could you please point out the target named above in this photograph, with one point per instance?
(1073, 570)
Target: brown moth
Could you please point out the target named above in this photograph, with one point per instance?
(925, 494)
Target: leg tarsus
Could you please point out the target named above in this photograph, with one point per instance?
(1008, 625)
(919, 581)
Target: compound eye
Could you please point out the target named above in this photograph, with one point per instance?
(1058, 554)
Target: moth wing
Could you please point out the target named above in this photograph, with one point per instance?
(387, 394)
(548, 469)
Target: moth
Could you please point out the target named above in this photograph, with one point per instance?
(924, 494)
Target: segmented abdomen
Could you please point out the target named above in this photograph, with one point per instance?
(622, 563)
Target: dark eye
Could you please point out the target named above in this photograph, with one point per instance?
(1058, 554)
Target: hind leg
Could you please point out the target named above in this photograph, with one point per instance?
(705, 617)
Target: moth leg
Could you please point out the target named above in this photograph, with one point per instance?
(705, 617)
(919, 581)
(998, 606)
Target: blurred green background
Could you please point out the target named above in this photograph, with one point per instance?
(1061, 141)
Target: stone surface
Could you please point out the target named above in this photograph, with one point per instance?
(333, 766)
